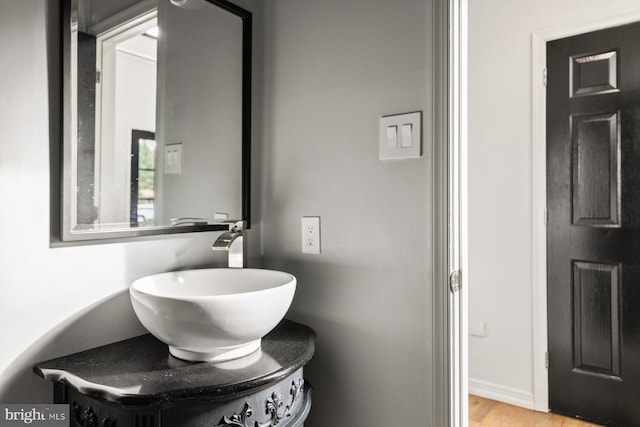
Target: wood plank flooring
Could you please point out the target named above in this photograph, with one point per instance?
(489, 413)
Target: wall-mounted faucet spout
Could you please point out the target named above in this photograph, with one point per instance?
(232, 241)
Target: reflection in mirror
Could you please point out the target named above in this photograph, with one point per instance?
(156, 106)
(143, 177)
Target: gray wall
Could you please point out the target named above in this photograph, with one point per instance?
(332, 68)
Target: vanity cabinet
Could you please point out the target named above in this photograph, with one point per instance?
(137, 383)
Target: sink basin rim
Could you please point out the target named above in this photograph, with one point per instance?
(149, 285)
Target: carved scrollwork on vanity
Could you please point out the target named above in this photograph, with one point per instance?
(88, 418)
(274, 404)
(237, 420)
(274, 407)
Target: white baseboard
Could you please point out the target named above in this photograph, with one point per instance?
(501, 393)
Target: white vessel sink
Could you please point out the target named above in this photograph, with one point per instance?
(215, 314)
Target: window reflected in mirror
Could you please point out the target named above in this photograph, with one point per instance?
(143, 177)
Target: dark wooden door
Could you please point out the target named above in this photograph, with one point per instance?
(593, 201)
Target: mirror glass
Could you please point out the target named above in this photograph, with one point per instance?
(155, 117)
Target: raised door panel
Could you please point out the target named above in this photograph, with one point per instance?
(594, 74)
(595, 183)
(595, 316)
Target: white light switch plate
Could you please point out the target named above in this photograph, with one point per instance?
(410, 122)
(173, 159)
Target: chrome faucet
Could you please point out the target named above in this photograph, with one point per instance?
(232, 241)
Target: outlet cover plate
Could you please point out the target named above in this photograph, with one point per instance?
(310, 234)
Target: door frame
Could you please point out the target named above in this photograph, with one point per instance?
(539, 42)
(450, 214)
(458, 212)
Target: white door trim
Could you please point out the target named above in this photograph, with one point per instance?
(539, 191)
(458, 212)
(450, 377)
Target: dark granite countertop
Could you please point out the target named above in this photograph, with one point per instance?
(140, 371)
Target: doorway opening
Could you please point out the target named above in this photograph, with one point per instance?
(536, 276)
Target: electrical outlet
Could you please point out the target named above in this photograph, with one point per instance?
(477, 329)
(311, 234)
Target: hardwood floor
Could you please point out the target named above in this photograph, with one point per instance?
(489, 413)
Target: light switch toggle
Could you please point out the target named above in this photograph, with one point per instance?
(392, 136)
(407, 136)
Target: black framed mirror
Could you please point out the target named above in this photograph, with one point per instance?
(156, 117)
